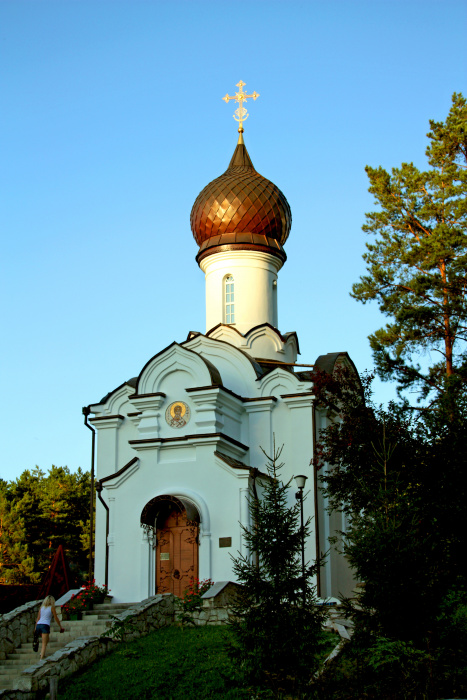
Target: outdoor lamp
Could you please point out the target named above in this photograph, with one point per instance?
(300, 481)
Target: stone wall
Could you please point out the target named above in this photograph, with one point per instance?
(16, 626)
(137, 621)
(211, 616)
(208, 615)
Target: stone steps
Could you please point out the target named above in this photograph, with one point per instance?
(94, 623)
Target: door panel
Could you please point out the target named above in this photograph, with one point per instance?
(176, 553)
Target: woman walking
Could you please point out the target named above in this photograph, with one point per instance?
(44, 618)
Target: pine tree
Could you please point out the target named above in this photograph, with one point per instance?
(277, 624)
(38, 512)
(16, 566)
(417, 264)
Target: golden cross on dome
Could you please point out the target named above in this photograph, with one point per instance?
(240, 114)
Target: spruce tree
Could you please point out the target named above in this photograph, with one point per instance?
(277, 627)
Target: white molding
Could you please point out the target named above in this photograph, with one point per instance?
(260, 406)
(114, 484)
(108, 423)
(200, 440)
(299, 401)
(241, 474)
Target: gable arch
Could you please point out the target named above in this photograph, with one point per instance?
(193, 370)
(264, 333)
(227, 334)
(240, 371)
(280, 382)
(119, 399)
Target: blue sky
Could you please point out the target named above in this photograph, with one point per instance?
(111, 122)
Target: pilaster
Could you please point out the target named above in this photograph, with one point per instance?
(260, 428)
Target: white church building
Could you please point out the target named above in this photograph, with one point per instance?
(179, 447)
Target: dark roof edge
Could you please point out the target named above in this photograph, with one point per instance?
(240, 246)
(120, 471)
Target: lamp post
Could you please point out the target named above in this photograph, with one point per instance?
(300, 480)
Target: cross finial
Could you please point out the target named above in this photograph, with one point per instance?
(240, 114)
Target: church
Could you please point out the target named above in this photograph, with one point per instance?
(180, 446)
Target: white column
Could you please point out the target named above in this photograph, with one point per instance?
(260, 430)
(107, 443)
(205, 569)
(147, 586)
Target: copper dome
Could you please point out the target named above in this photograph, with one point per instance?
(240, 210)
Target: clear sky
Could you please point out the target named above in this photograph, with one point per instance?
(111, 122)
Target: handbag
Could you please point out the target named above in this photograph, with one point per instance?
(35, 641)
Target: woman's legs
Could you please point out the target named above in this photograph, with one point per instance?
(45, 641)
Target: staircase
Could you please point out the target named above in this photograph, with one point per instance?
(94, 622)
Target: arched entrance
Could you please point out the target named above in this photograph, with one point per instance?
(176, 525)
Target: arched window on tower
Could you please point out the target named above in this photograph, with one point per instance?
(229, 299)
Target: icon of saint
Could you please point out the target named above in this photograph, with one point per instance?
(177, 420)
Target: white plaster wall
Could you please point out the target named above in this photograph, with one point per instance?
(255, 276)
(193, 471)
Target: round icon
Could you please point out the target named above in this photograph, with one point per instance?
(177, 414)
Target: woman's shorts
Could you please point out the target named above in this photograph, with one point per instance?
(43, 629)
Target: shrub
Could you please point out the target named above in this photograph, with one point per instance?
(191, 599)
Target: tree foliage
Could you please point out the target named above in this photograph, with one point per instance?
(401, 481)
(399, 476)
(399, 473)
(278, 626)
(417, 262)
(38, 512)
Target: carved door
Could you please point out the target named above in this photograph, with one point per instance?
(176, 553)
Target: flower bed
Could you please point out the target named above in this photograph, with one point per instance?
(89, 594)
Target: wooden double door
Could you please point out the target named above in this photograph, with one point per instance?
(176, 552)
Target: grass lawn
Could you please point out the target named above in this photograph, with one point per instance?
(170, 664)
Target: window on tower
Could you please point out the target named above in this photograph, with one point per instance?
(229, 299)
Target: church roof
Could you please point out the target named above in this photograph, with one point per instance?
(327, 363)
(241, 210)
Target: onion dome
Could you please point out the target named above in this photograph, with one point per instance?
(240, 210)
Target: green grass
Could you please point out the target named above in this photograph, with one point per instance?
(170, 664)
